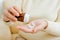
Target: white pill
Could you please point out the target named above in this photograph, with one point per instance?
(32, 25)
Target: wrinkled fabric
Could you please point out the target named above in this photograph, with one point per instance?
(38, 9)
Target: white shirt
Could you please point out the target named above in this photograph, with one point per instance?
(43, 9)
(47, 9)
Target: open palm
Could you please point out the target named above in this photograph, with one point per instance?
(34, 26)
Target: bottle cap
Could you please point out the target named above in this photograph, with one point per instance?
(26, 17)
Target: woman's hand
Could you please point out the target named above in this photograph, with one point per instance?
(34, 26)
(40, 25)
(10, 13)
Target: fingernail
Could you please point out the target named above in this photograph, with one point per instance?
(17, 14)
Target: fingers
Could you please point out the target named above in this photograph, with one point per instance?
(6, 19)
(13, 11)
(36, 22)
(43, 25)
(25, 29)
(39, 25)
(17, 9)
(38, 28)
(10, 13)
(10, 16)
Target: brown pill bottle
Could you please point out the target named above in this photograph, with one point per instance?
(24, 17)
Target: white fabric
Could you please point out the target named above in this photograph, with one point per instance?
(47, 9)
(53, 28)
(1, 7)
(43, 9)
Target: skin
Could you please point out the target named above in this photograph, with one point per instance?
(10, 13)
(40, 25)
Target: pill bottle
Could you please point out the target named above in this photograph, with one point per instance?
(24, 17)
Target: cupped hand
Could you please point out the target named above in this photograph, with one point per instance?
(34, 26)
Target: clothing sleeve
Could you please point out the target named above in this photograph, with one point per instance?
(59, 4)
(53, 28)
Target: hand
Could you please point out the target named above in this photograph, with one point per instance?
(39, 25)
(10, 13)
